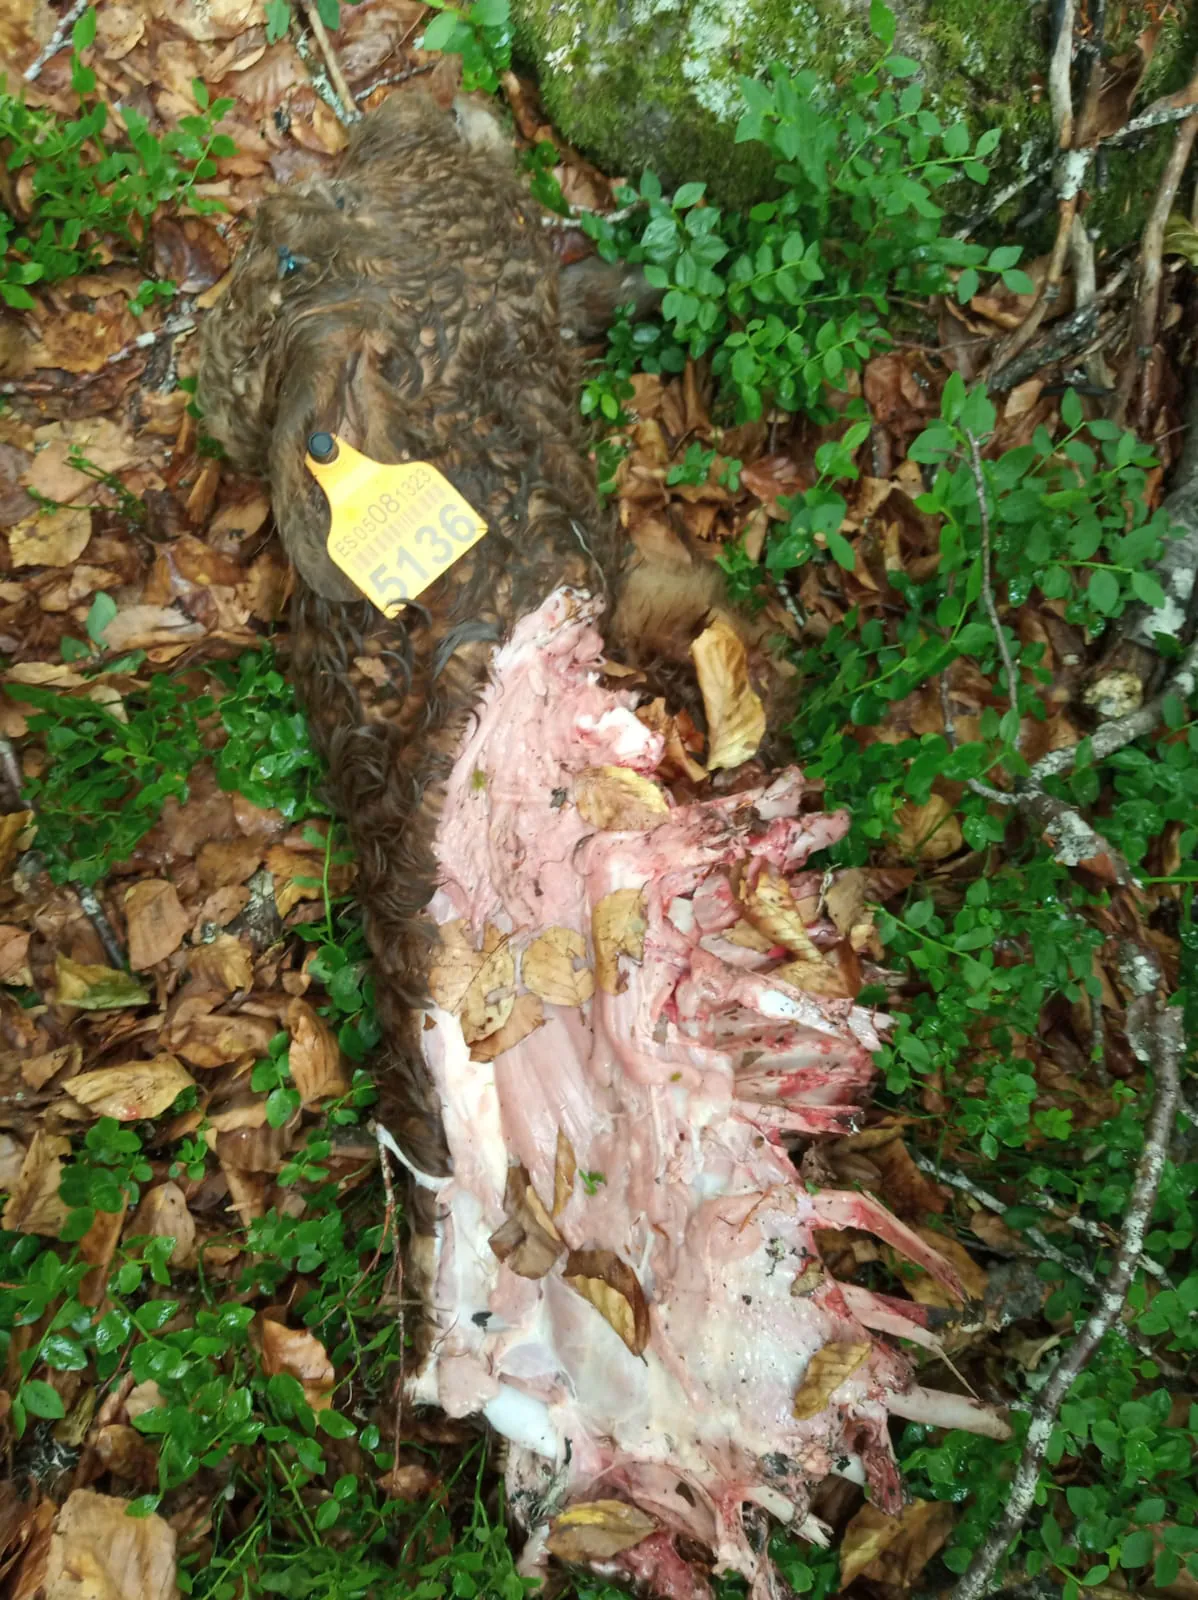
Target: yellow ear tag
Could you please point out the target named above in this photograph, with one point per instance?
(393, 529)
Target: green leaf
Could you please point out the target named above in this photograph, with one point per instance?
(40, 1399)
(63, 1353)
(689, 195)
(881, 23)
(491, 13)
(1103, 591)
(1005, 256)
(199, 90)
(1018, 281)
(956, 141)
(329, 12)
(841, 551)
(901, 66)
(967, 285)
(103, 610)
(1136, 1549)
(278, 20)
(1146, 588)
(988, 143)
(82, 37)
(952, 397)
(440, 30)
(327, 1514)
(335, 1425)
(1071, 409)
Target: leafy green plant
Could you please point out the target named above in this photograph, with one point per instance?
(481, 34)
(88, 185)
(787, 297)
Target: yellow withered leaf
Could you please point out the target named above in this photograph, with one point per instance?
(735, 714)
(528, 1242)
(817, 976)
(929, 832)
(615, 1292)
(132, 1090)
(826, 1371)
(894, 1550)
(491, 996)
(565, 1165)
(618, 799)
(96, 988)
(770, 906)
(525, 1017)
(617, 928)
(455, 966)
(549, 968)
(597, 1530)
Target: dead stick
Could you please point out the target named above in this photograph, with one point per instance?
(991, 604)
(1158, 1036)
(1148, 304)
(349, 110)
(57, 40)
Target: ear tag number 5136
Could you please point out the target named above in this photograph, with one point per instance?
(392, 529)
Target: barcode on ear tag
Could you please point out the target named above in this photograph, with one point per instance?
(393, 530)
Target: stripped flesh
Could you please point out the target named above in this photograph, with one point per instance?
(675, 1095)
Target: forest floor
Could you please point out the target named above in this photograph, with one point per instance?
(198, 1287)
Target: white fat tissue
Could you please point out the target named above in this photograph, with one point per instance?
(675, 1096)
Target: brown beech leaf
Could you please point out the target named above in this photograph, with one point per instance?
(296, 876)
(614, 1290)
(214, 1041)
(96, 988)
(929, 832)
(455, 966)
(224, 964)
(735, 714)
(34, 1206)
(38, 1070)
(96, 1550)
(491, 996)
(820, 975)
(907, 1190)
(163, 1214)
(525, 1017)
(597, 1530)
(826, 1371)
(14, 955)
(618, 799)
(770, 906)
(300, 1354)
(617, 928)
(548, 967)
(315, 1056)
(565, 1165)
(222, 862)
(894, 1550)
(528, 1242)
(928, 1292)
(53, 539)
(12, 825)
(133, 1090)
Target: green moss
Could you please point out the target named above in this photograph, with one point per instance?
(654, 83)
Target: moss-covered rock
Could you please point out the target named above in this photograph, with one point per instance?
(654, 83)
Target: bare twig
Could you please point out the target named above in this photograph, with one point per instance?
(1004, 650)
(1120, 731)
(339, 98)
(1156, 1037)
(1067, 337)
(57, 40)
(170, 329)
(98, 917)
(10, 775)
(1148, 304)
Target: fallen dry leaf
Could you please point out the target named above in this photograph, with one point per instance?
(528, 1242)
(614, 1290)
(14, 955)
(597, 1530)
(925, 1289)
(565, 1165)
(315, 1056)
(38, 1070)
(548, 967)
(409, 1481)
(735, 714)
(133, 1090)
(144, 627)
(822, 975)
(156, 922)
(12, 826)
(300, 1354)
(928, 832)
(222, 862)
(908, 1191)
(52, 539)
(490, 997)
(617, 928)
(99, 1553)
(894, 1550)
(525, 1017)
(826, 1371)
(617, 799)
(212, 1041)
(770, 906)
(454, 967)
(224, 964)
(163, 1214)
(34, 1206)
(95, 988)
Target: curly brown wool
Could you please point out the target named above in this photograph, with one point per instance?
(410, 304)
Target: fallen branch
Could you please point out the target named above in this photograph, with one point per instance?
(57, 40)
(991, 604)
(341, 97)
(106, 933)
(1140, 352)
(173, 326)
(1155, 1035)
